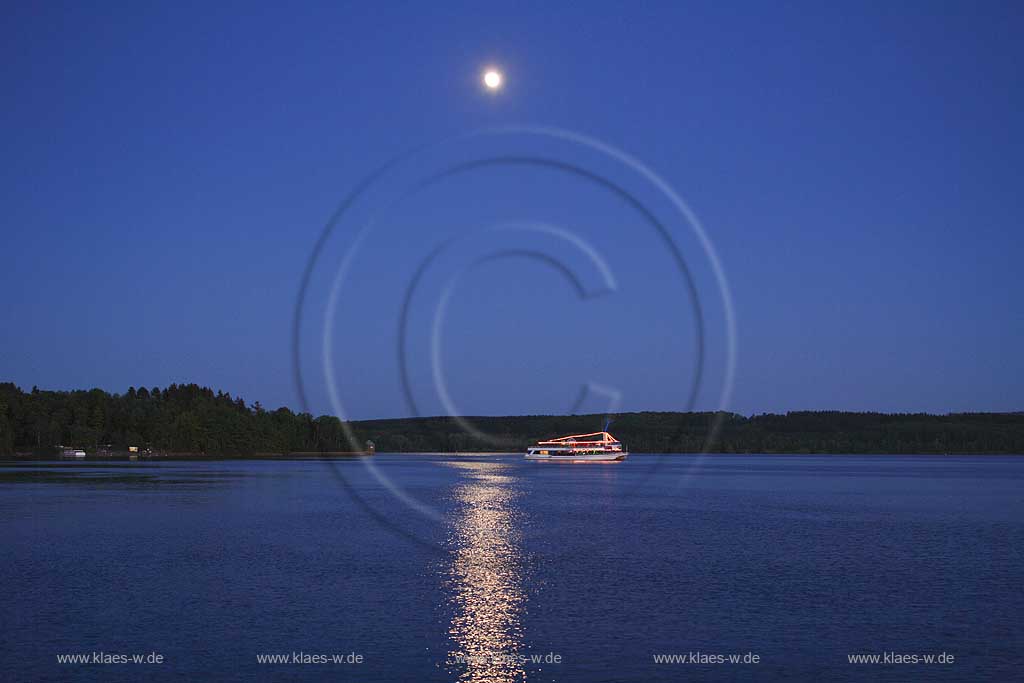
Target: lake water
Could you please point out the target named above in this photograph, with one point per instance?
(471, 568)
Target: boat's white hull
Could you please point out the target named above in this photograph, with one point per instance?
(617, 456)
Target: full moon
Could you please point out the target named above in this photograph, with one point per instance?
(492, 79)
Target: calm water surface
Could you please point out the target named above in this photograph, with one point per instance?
(466, 568)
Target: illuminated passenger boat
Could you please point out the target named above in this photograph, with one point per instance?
(596, 447)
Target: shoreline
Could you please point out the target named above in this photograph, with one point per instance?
(348, 455)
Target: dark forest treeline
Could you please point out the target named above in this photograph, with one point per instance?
(191, 419)
(183, 418)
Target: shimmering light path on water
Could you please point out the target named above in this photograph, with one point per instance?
(801, 560)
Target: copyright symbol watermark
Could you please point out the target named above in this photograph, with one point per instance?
(351, 258)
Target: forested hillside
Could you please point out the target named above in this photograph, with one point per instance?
(188, 418)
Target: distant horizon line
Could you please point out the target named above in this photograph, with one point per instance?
(518, 415)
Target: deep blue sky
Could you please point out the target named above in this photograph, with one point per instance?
(168, 168)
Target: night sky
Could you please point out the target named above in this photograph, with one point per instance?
(168, 169)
